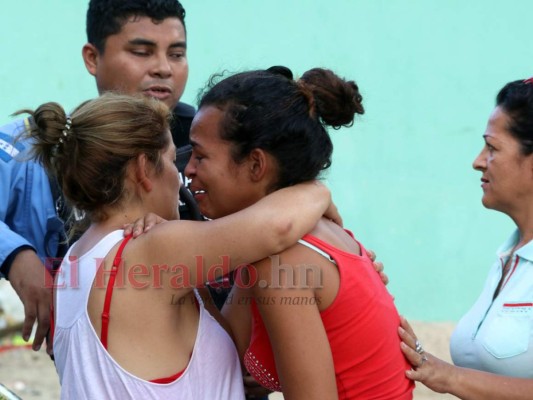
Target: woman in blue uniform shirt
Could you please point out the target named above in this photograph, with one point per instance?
(492, 346)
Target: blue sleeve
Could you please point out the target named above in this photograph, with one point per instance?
(15, 178)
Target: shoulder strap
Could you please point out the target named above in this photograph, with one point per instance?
(63, 211)
(318, 250)
(109, 291)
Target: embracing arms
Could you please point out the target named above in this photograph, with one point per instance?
(210, 249)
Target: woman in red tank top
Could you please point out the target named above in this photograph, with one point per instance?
(314, 321)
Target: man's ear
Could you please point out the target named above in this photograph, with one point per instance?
(142, 167)
(259, 164)
(90, 56)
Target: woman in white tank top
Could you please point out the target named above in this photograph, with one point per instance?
(129, 321)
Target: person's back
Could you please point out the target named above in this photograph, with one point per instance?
(361, 322)
(157, 333)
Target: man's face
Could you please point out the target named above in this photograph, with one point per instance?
(144, 57)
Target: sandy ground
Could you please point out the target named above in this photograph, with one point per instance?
(32, 375)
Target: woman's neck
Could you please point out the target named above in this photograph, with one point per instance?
(115, 221)
(524, 222)
(120, 218)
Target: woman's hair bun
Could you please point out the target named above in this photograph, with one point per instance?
(281, 70)
(336, 100)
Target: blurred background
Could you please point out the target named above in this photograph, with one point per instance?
(401, 176)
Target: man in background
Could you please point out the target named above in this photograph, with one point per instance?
(134, 47)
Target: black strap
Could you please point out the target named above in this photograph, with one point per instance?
(189, 209)
(63, 212)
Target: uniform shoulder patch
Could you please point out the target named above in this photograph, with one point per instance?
(9, 149)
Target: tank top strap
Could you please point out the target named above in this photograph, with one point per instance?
(318, 250)
(109, 291)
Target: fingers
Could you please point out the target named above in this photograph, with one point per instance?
(378, 266)
(43, 325)
(407, 338)
(128, 229)
(405, 325)
(31, 281)
(332, 213)
(36, 309)
(152, 220)
(137, 228)
(384, 278)
(413, 375)
(142, 225)
(30, 315)
(415, 359)
(411, 347)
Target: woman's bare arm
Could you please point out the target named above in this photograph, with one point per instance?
(203, 251)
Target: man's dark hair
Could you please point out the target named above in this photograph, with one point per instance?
(106, 17)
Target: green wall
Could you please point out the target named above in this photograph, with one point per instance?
(428, 70)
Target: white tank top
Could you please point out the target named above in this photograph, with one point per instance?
(87, 371)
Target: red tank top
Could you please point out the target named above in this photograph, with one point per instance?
(362, 329)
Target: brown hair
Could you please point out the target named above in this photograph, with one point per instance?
(89, 155)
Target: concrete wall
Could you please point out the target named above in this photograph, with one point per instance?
(402, 177)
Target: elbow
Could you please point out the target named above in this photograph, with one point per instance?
(284, 235)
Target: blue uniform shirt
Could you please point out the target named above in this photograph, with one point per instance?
(27, 212)
(497, 335)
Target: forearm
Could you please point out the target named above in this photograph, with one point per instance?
(5, 266)
(27, 270)
(9, 245)
(470, 384)
(267, 227)
(33, 284)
